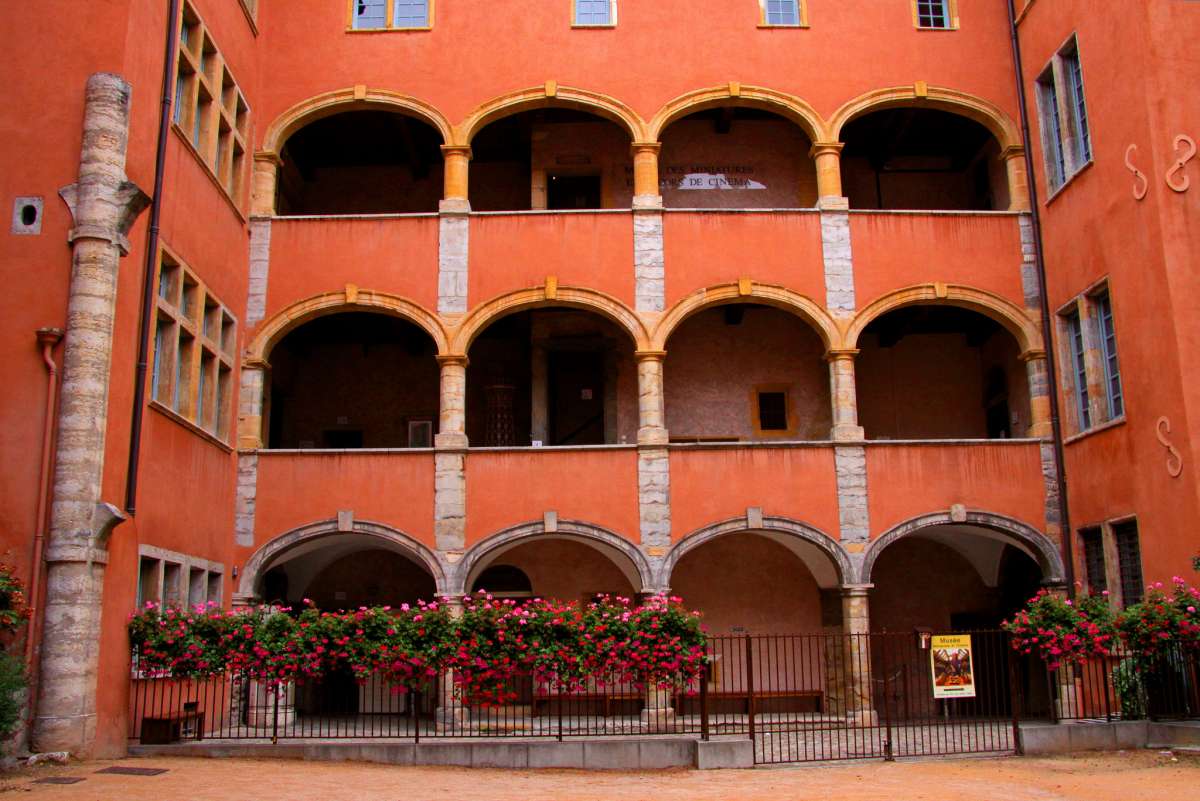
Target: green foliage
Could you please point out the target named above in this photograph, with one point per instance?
(1127, 681)
(12, 683)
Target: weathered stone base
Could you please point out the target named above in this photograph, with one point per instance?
(655, 753)
(1049, 738)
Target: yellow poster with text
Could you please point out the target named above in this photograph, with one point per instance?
(950, 660)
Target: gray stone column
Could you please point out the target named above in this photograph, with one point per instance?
(104, 205)
(454, 236)
(1039, 394)
(856, 621)
(844, 395)
(654, 468)
(450, 478)
(649, 264)
(260, 270)
(838, 257)
(850, 462)
(450, 714)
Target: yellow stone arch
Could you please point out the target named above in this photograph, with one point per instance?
(352, 299)
(606, 306)
(548, 96)
(965, 104)
(734, 94)
(1008, 314)
(355, 98)
(747, 291)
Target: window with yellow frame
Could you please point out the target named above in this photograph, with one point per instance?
(935, 15)
(782, 14)
(771, 411)
(383, 15)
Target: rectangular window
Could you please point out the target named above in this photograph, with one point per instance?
(366, 14)
(1083, 140)
(176, 579)
(772, 411)
(411, 14)
(781, 12)
(1052, 140)
(933, 14)
(1129, 556)
(210, 111)
(194, 342)
(1108, 347)
(1092, 540)
(594, 12)
(1078, 369)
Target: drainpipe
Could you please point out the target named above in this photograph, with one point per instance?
(143, 357)
(1060, 470)
(48, 338)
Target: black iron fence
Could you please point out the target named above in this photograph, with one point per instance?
(799, 698)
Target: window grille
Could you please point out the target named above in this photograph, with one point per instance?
(1129, 555)
(1075, 335)
(593, 12)
(1093, 559)
(933, 14)
(783, 12)
(1108, 344)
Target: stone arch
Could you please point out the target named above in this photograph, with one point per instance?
(606, 306)
(390, 538)
(549, 95)
(787, 106)
(766, 294)
(1024, 536)
(273, 329)
(783, 530)
(350, 99)
(637, 569)
(964, 104)
(1008, 314)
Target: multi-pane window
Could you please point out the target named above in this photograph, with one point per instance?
(781, 12)
(595, 12)
(1079, 369)
(210, 111)
(175, 579)
(1063, 117)
(1129, 558)
(1092, 540)
(380, 14)
(1108, 351)
(195, 340)
(933, 14)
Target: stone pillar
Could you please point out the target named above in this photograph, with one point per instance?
(844, 396)
(450, 478)
(450, 714)
(850, 463)
(828, 156)
(1018, 181)
(271, 707)
(1039, 394)
(658, 715)
(654, 469)
(265, 180)
(838, 258)
(539, 366)
(260, 271)
(456, 161)
(856, 621)
(104, 205)
(646, 193)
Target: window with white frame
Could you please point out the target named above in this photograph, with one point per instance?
(366, 15)
(195, 342)
(1089, 346)
(935, 14)
(782, 12)
(594, 12)
(1063, 117)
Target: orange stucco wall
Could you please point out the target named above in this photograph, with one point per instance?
(507, 488)
(398, 256)
(395, 489)
(710, 485)
(892, 251)
(770, 247)
(905, 481)
(517, 251)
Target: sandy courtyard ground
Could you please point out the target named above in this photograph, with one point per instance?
(1125, 776)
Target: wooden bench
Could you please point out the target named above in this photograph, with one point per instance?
(569, 700)
(165, 729)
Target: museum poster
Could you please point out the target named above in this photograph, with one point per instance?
(953, 673)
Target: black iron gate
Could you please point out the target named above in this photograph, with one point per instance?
(804, 698)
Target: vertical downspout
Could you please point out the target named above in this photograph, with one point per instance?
(48, 338)
(143, 357)
(1047, 321)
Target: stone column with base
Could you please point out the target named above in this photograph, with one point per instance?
(654, 470)
(450, 478)
(450, 715)
(1018, 181)
(828, 158)
(844, 395)
(856, 622)
(103, 204)
(1039, 394)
